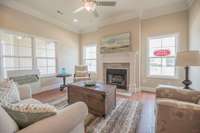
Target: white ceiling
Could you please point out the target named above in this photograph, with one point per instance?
(124, 10)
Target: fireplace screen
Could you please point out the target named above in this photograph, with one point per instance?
(117, 77)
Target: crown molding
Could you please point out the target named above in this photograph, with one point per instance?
(140, 13)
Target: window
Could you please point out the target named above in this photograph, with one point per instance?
(90, 57)
(16, 52)
(46, 58)
(23, 52)
(162, 56)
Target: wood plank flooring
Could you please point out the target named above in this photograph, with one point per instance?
(147, 121)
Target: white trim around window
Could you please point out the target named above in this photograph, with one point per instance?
(90, 58)
(176, 74)
(33, 56)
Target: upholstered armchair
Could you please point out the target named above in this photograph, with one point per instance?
(81, 73)
(177, 110)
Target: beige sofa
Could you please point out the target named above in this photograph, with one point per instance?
(68, 120)
(178, 110)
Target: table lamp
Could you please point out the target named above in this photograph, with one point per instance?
(186, 59)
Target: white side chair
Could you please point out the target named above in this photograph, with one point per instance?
(81, 73)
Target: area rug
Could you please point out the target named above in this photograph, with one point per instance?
(123, 119)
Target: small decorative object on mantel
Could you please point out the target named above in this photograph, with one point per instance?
(187, 59)
(90, 83)
(116, 43)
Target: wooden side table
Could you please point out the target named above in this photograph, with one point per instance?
(63, 76)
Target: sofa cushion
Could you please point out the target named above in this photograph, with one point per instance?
(7, 124)
(27, 114)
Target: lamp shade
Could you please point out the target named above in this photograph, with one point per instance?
(188, 58)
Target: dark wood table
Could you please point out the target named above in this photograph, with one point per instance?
(63, 76)
(100, 99)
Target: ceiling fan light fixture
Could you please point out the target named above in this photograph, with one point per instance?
(90, 6)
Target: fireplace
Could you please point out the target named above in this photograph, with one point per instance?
(117, 77)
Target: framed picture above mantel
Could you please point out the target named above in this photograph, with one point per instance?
(116, 43)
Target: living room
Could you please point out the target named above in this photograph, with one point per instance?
(99, 66)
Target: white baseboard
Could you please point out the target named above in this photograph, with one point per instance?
(148, 89)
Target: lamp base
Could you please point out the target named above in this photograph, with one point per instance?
(187, 83)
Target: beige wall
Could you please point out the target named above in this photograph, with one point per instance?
(141, 30)
(163, 25)
(68, 42)
(194, 35)
(132, 26)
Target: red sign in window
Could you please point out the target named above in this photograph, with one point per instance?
(162, 52)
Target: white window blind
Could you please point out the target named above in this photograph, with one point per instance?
(16, 52)
(46, 58)
(162, 56)
(90, 57)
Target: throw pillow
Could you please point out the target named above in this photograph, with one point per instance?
(9, 92)
(27, 114)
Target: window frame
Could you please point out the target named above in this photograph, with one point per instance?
(84, 55)
(18, 57)
(33, 56)
(176, 74)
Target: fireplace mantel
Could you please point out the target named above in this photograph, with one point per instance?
(121, 66)
(124, 58)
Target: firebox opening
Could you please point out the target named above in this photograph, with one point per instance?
(117, 77)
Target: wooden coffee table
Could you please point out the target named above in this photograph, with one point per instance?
(100, 99)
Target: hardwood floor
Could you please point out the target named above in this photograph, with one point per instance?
(147, 121)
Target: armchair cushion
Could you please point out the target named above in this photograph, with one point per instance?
(81, 68)
(81, 74)
(178, 94)
(177, 117)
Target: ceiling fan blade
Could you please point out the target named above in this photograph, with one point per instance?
(96, 14)
(79, 9)
(105, 3)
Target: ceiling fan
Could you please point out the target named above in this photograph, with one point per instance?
(90, 6)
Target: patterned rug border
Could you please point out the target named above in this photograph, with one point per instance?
(133, 125)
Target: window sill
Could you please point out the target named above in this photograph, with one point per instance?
(163, 77)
